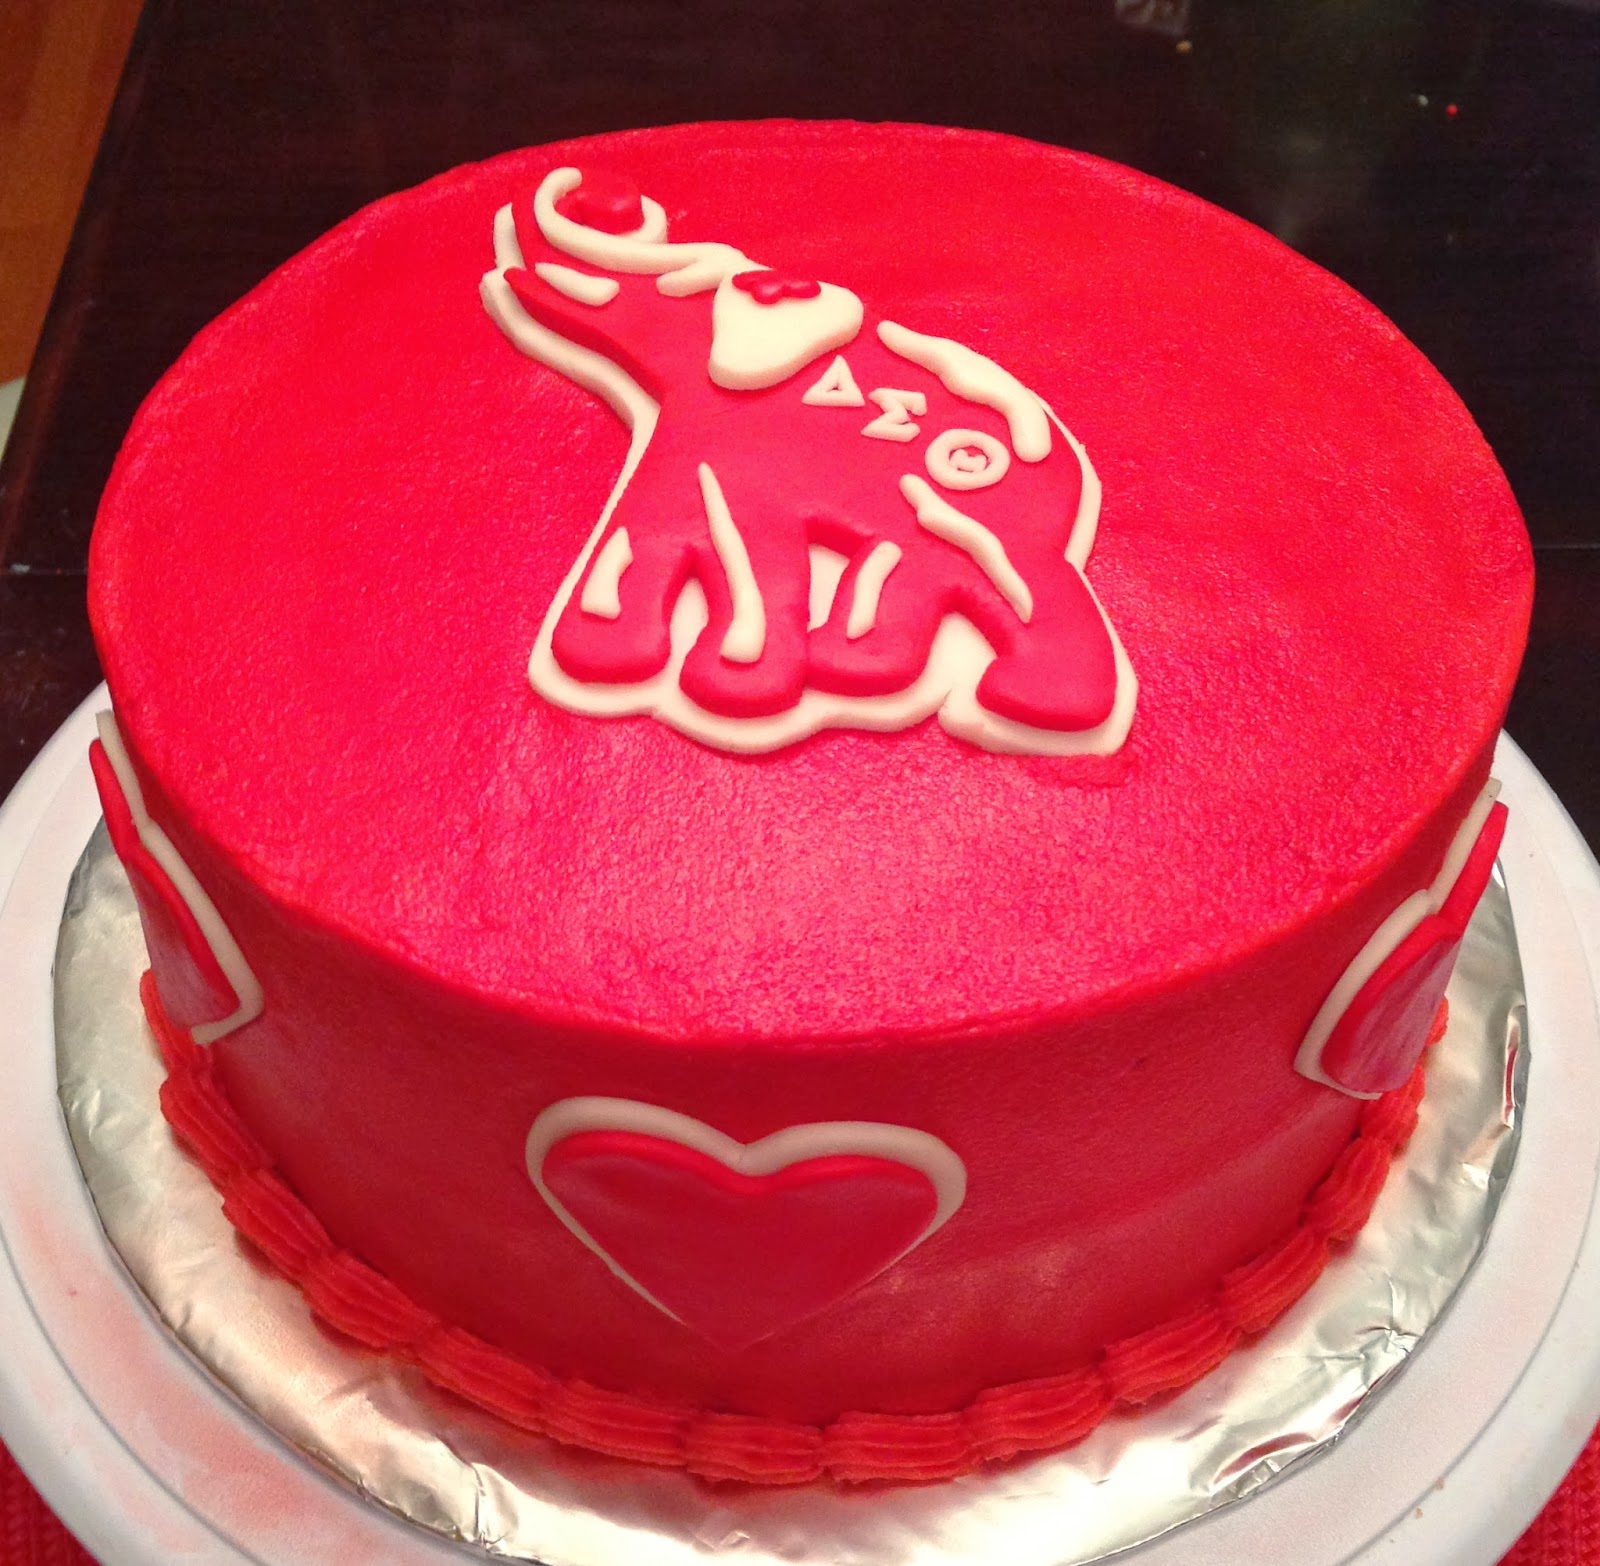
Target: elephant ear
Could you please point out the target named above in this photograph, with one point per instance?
(766, 326)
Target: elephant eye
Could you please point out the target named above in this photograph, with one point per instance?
(967, 459)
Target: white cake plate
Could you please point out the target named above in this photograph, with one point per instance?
(150, 1463)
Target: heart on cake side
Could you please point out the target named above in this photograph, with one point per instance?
(1371, 1031)
(207, 988)
(738, 1240)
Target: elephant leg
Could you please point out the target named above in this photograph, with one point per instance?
(888, 608)
(750, 660)
(625, 640)
(615, 628)
(1058, 671)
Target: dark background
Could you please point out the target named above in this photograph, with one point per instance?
(1443, 156)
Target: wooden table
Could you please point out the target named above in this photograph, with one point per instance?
(1443, 156)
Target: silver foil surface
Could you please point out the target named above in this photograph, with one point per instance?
(444, 1465)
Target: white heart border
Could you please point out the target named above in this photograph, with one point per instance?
(919, 1150)
(225, 951)
(1386, 939)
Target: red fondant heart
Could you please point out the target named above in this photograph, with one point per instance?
(601, 200)
(193, 988)
(736, 1257)
(767, 287)
(1376, 1044)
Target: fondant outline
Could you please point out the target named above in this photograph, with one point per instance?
(160, 847)
(1386, 939)
(919, 1150)
(947, 686)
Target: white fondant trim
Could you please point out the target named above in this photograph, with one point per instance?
(755, 345)
(161, 848)
(747, 629)
(968, 374)
(637, 409)
(966, 459)
(679, 270)
(942, 519)
(894, 423)
(948, 683)
(1080, 542)
(602, 593)
(870, 578)
(793, 1145)
(585, 287)
(1461, 845)
(965, 717)
(608, 381)
(1386, 938)
(835, 388)
(827, 570)
(946, 688)
(507, 247)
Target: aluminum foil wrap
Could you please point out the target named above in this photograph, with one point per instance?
(444, 1465)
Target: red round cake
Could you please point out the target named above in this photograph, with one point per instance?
(802, 793)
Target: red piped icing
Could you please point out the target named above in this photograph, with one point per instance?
(1170, 1356)
(769, 287)
(194, 989)
(1001, 1422)
(749, 1254)
(1380, 1037)
(362, 1303)
(605, 201)
(266, 1212)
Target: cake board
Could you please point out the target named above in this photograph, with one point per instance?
(148, 1461)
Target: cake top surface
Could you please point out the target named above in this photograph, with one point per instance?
(347, 517)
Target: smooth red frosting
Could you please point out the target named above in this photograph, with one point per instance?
(318, 572)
